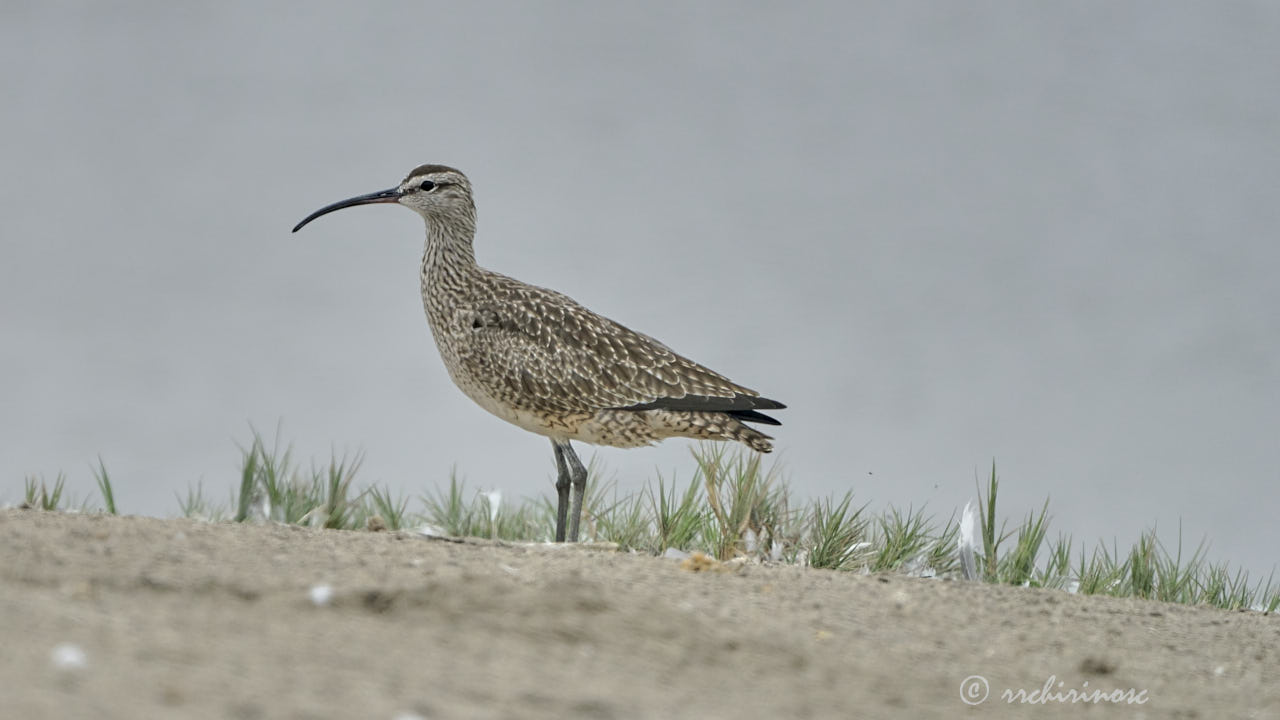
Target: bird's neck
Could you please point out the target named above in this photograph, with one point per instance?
(449, 258)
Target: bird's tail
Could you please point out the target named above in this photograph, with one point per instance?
(749, 436)
(708, 426)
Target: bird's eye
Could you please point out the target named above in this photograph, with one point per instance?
(427, 186)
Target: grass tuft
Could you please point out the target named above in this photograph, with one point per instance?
(837, 535)
(394, 510)
(197, 507)
(678, 516)
(901, 540)
(40, 496)
(450, 512)
(621, 519)
(747, 513)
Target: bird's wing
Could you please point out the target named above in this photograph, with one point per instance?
(544, 351)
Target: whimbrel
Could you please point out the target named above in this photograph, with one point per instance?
(539, 360)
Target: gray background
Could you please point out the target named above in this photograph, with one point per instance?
(941, 232)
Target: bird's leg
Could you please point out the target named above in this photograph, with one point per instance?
(579, 476)
(562, 488)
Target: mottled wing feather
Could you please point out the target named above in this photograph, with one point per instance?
(543, 351)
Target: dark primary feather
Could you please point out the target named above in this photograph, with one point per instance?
(740, 407)
(709, 403)
(753, 416)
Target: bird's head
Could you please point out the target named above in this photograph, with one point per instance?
(439, 194)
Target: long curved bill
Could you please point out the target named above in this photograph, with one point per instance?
(382, 196)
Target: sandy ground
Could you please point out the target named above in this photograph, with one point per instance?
(177, 618)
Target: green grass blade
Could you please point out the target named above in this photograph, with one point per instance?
(104, 487)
